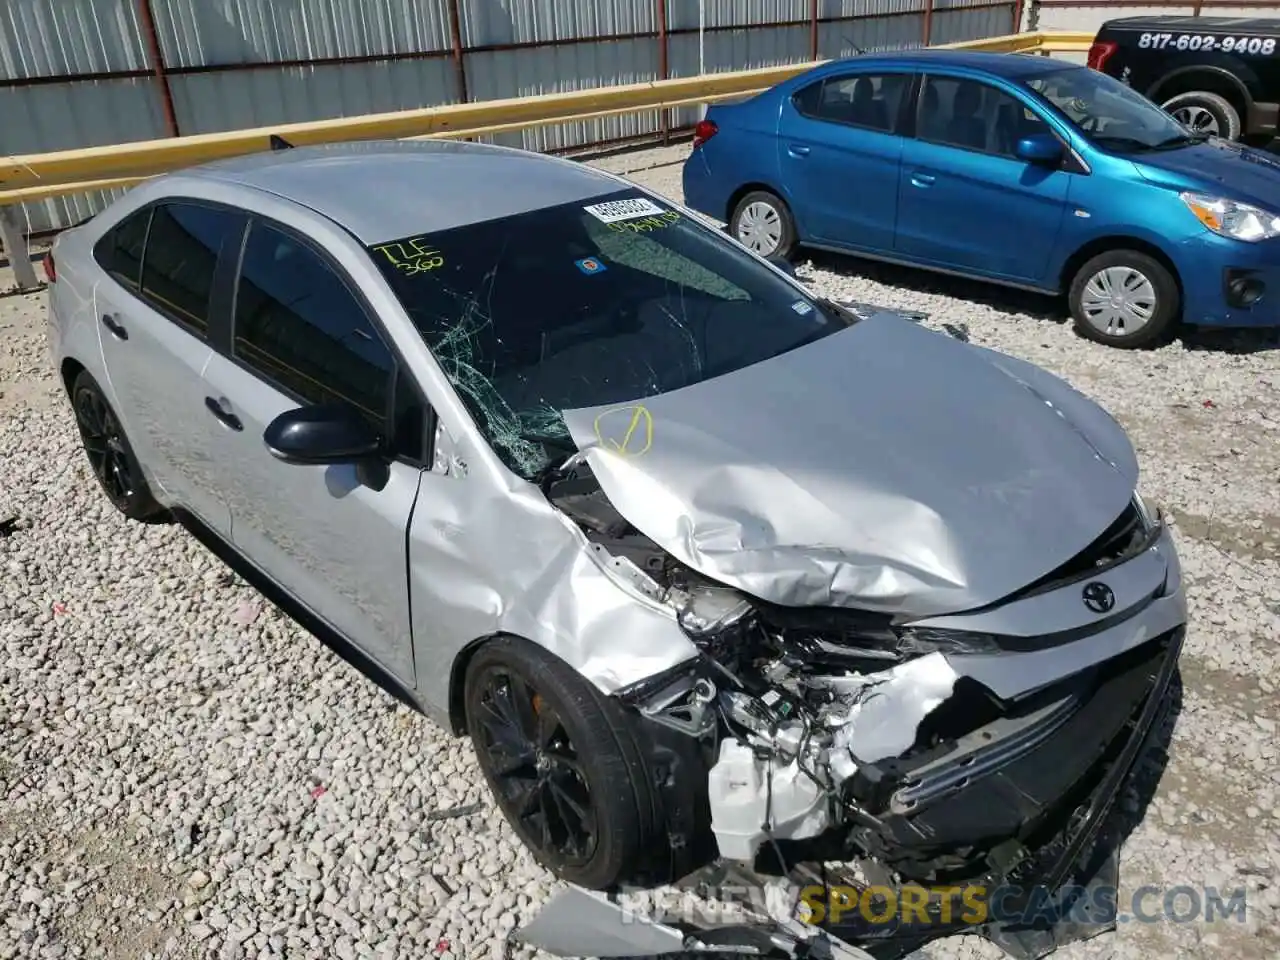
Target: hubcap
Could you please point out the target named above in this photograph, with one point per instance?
(1118, 301)
(538, 777)
(760, 227)
(104, 444)
(1198, 119)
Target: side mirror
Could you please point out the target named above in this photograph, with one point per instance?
(321, 434)
(783, 264)
(1043, 149)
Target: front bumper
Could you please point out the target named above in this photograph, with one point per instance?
(1208, 265)
(1047, 849)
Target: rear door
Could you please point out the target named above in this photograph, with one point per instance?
(839, 152)
(965, 201)
(153, 319)
(300, 333)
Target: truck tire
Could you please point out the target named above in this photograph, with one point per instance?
(1205, 112)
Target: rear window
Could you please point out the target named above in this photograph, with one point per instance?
(598, 302)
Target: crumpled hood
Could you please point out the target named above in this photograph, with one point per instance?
(1215, 166)
(884, 467)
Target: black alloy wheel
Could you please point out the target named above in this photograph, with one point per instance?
(111, 458)
(100, 434)
(539, 779)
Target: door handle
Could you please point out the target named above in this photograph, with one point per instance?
(228, 418)
(922, 179)
(114, 325)
(798, 150)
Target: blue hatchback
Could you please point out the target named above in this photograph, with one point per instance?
(1012, 168)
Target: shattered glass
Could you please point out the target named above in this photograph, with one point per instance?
(588, 304)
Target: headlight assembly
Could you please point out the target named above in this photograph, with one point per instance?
(1231, 218)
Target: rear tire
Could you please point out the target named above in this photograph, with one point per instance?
(111, 458)
(761, 221)
(1123, 298)
(1205, 112)
(562, 763)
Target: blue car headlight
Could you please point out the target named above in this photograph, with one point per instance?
(1231, 218)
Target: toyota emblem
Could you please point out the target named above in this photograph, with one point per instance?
(1098, 597)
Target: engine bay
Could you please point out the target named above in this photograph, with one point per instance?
(817, 724)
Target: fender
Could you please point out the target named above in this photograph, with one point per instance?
(1222, 73)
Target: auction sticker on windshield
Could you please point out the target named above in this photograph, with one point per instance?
(1257, 46)
(614, 210)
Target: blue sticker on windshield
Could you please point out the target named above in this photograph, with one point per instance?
(589, 265)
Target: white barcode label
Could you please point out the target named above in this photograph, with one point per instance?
(615, 210)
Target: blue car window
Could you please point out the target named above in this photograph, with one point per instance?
(1108, 112)
(974, 116)
(870, 102)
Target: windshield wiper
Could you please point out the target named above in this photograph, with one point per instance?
(1180, 140)
(838, 312)
(1135, 145)
(1114, 140)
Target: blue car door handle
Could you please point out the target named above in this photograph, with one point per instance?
(922, 179)
(797, 150)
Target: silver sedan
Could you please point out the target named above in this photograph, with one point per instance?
(710, 569)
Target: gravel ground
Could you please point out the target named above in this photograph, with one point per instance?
(185, 772)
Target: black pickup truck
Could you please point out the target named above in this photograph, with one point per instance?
(1218, 75)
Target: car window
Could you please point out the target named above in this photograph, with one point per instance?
(299, 326)
(973, 115)
(871, 102)
(181, 256)
(607, 300)
(1108, 112)
(119, 250)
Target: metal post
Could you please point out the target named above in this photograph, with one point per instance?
(663, 66)
(455, 38)
(15, 246)
(157, 65)
(1017, 16)
(702, 50)
(813, 29)
(928, 21)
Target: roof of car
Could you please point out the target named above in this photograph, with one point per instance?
(387, 189)
(1006, 65)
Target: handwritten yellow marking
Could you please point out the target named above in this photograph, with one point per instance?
(412, 256)
(638, 420)
(645, 224)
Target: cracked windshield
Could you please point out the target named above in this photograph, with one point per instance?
(597, 302)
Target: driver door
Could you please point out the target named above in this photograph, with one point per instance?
(300, 334)
(965, 201)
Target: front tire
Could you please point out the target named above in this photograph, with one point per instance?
(1205, 112)
(111, 458)
(562, 764)
(761, 221)
(1123, 298)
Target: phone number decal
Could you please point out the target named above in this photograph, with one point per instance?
(1259, 46)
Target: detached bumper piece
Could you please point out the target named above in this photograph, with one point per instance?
(1049, 804)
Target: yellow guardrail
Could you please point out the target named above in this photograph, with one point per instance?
(41, 176)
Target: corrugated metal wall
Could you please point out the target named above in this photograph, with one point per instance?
(88, 72)
(1086, 16)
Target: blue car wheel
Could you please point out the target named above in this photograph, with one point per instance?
(1123, 298)
(762, 222)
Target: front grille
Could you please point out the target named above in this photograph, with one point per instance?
(1121, 540)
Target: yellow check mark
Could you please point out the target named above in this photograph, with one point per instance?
(639, 422)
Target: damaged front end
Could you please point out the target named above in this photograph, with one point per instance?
(833, 748)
